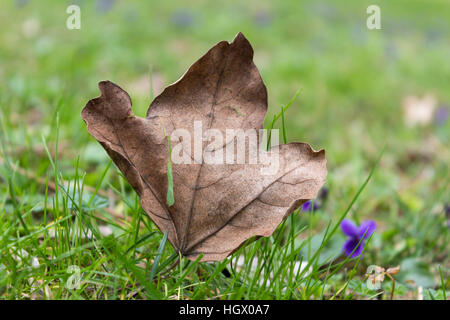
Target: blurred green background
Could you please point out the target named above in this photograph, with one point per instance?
(361, 90)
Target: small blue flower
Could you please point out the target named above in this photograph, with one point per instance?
(307, 206)
(315, 205)
(356, 235)
(104, 6)
(183, 19)
(441, 115)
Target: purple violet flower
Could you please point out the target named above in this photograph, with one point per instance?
(356, 235)
(183, 19)
(441, 115)
(307, 206)
(311, 205)
(104, 6)
(317, 203)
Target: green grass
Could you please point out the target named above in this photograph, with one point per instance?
(63, 203)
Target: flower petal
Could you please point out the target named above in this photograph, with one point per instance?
(306, 206)
(349, 228)
(350, 245)
(311, 205)
(370, 226)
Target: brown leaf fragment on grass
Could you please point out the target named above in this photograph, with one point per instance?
(218, 206)
(393, 270)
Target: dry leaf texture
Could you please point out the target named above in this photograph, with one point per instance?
(217, 206)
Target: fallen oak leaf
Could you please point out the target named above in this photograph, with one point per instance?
(217, 207)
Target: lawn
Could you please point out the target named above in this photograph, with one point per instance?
(377, 101)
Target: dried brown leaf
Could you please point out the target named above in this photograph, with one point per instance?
(217, 206)
(393, 270)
